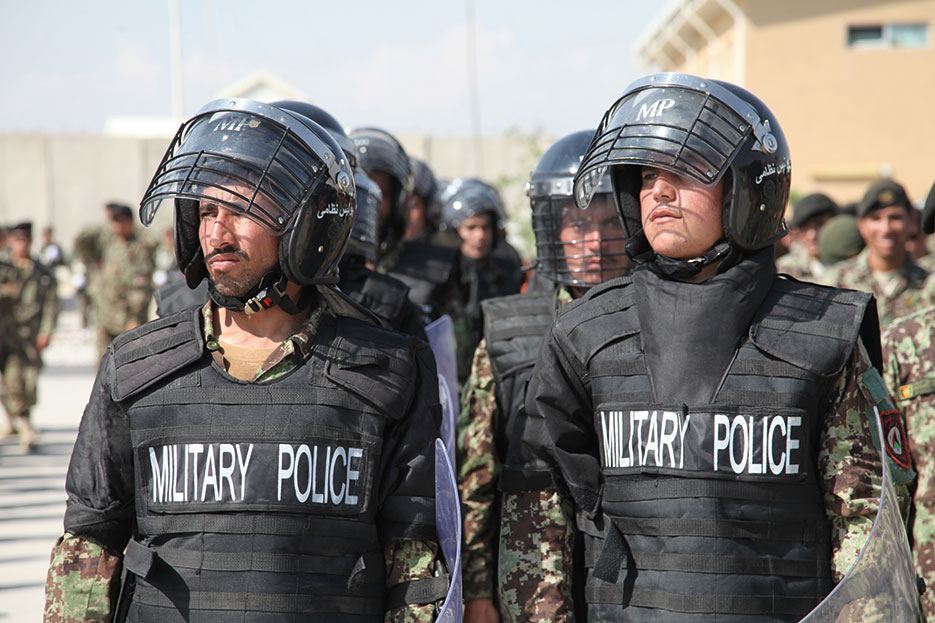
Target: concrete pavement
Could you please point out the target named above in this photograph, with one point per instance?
(32, 486)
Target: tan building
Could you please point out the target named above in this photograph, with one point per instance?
(851, 81)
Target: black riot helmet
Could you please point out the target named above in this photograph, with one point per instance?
(707, 131)
(469, 196)
(277, 168)
(573, 247)
(363, 238)
(424, 183)
(326, 120)
(379, 151)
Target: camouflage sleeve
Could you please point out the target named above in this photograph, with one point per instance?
(83, 576)
(406, 561)
(478, 470)
(50, 307)
(139, 292)
(850, 467)
(536, 557)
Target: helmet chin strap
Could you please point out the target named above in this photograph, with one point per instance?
(684, 269)
(269, 292)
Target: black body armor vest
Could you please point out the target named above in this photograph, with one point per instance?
(712, 511)
(259, 502)
(514, 327)
(387, 297)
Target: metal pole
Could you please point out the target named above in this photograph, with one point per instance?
(473, 91)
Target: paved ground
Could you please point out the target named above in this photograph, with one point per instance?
(32, 487)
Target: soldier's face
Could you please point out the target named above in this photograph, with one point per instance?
(681, 219)
(808, 233)
(476, 235)
(19, 245)
(238, 252)
(385, 181)
(593, 241)
(885, 231)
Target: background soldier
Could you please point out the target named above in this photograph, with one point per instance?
(885, 268)
(419, 222)
(385, 296)
(473, 212)
(120, 264)
(909, 371)
(646, 393)
(803, 261)
(268, 457)
(575, 250)
(839, 240)
(33, 318)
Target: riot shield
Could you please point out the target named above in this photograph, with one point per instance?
(448, 525)
(441, 336)
(882, 585)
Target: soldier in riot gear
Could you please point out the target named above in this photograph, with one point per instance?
(270, 455)
(473, 211)
(384, 295)
(709, 421)
(575, 250)
(383, 158)
(419, 223)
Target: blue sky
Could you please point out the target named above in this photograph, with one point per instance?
(400, 64)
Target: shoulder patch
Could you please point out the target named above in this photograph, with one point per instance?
(894, 438)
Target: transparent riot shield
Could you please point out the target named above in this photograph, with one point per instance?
(881, 586)
(448, 526)
(441, 334)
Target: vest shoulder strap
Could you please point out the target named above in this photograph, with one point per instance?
(153, 351)
(430, 262)
(514, 327)
(831, 319)
(384, 295)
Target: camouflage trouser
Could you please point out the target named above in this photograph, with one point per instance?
(20, 376)
(923, 521)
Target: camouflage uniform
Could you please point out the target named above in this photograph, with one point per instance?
(799, 264)
(121, 282)
(478, 471)
(33, 314)
(535, 576)
(907, 296)
(909, 371)
(87, 572)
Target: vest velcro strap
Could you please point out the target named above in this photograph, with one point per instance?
(720, 564)
(727, 529)
(138, 559)
(268, 562)
(312, 602)
(417, 592)
(257, 524)
(618, 367)
(683, 488)
(921, 387)
(701, 604)
(124, 357)
(613, 555)
(748, 397)
(769, 368)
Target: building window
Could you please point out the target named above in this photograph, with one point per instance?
(888, 36)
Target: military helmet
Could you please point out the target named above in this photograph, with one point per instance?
(277, 168)
(465, 197)
(378, 150)
(363, 238)
(423, 180)
(551, 199)
(704, 130)
(365, 233)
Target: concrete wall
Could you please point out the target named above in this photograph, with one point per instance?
(65, 180)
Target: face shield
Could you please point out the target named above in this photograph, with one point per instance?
(247, 157)
(684, 124)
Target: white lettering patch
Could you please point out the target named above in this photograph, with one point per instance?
(743, 444)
